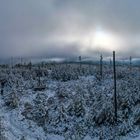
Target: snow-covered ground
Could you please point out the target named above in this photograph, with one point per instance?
(75, 105)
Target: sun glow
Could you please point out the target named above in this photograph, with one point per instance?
(102, 40)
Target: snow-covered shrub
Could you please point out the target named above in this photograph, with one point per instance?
(136, 115)
(61, 93)
(40, 115)
(41, 99)
(2, 130)
(121, 75)
(11, 100)
(50, 101)
(79, 110)
(104, 114)
(27, 110)
(125, 127)
(36, 113)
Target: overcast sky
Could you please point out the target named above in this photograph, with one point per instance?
(69, 27)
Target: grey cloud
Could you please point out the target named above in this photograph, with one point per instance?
(27, 26)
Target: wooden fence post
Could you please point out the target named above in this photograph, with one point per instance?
(130, 63)
(80, 58)
(115, 96)
(101, 66)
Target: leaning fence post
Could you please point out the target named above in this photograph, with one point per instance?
(115, 96)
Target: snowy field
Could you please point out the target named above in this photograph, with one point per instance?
(69, 102)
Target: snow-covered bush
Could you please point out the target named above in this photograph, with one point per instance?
(11, 100)
(2, 130)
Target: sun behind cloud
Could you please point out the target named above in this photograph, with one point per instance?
(103, 40)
